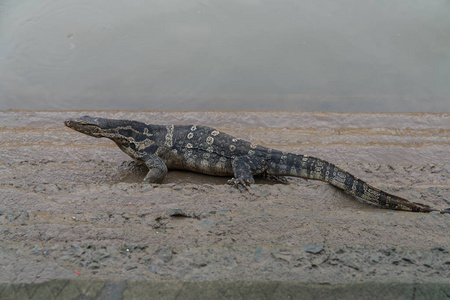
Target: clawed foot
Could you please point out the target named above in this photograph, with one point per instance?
(241, 183)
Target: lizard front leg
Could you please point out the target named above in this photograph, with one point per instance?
(157, 169)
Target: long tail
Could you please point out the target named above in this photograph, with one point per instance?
(287, 164)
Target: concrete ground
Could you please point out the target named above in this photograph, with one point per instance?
(74, 213)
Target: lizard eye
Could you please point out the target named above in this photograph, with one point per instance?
(124, 142)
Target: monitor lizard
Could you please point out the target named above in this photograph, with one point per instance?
(209, 151)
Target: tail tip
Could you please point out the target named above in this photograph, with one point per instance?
(445, 211)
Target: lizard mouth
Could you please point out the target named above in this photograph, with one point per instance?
(75, 124)
(83, 127)
(68, 123)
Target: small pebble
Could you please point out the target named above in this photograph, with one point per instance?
(257, 254)
(351, 262)
(314, 249)
(178, 212)
(408, 257)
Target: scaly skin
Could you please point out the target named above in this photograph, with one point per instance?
(206, 150)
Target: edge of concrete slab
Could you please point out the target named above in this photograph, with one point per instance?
(131, 289)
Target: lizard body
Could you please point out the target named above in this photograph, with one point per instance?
(206, 150)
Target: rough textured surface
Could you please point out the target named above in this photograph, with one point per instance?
(74, 207)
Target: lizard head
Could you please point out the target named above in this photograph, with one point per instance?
(96, 127)
(100, 127)
(126, 134)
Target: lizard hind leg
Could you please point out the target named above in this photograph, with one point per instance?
(242, 169)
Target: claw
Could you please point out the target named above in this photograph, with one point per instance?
(240, 184)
